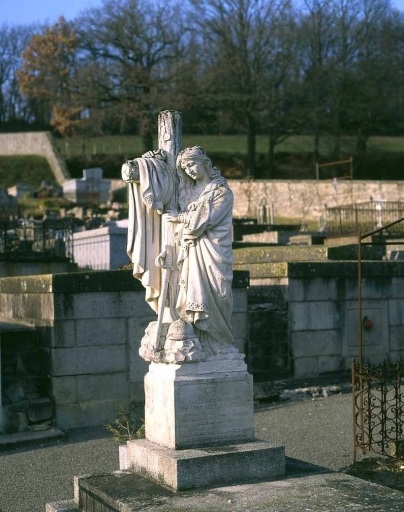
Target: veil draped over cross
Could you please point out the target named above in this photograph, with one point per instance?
(146, 200)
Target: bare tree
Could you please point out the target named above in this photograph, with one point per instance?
(317, 38)
(373, 70)
(12, 43)
(127, 46)
(240, 49)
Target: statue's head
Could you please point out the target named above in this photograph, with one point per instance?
(196, 154)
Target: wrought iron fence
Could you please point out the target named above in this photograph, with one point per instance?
(352, 218)
(378, 407)
(36, 239)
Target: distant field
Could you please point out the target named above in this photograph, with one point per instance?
(384, 160)
(131, 145)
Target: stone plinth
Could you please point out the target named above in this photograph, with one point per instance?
(200, 427)
(203, 467)
(199, 404)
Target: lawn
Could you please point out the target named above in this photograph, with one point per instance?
(131, 144)
(294, 160)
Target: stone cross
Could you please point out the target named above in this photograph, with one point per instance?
(163, 264)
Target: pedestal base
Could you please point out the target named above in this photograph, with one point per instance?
(202, 467)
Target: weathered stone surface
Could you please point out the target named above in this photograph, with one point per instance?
(87, 414)
(40, 410)
(64, 389)
(105, 331)
(62, 506)
(196, 468)
(100, 305)
(199, 404)
(304, 488)
(15, 440)
(88, 360)
(100, 387)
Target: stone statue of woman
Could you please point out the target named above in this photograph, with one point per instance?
(182, 221)
(205, 258)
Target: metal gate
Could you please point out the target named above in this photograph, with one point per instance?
(378, 407)
(377, 389)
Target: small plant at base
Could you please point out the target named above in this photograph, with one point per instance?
(126, 428)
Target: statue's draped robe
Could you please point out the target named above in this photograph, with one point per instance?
(206, 267)
(146, 199)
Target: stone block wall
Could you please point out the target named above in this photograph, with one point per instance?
(268, 353)
(304, 317)
(303, 200)
(90, 325)
(308, 199)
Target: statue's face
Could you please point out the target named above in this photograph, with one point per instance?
(195, 170)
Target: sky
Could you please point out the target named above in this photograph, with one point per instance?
(25, 12)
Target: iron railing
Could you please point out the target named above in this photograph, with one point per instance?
(378, 407)
(24, 239)
(352, 218)
(377, 389)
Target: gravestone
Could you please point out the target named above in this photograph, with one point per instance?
(199, 416)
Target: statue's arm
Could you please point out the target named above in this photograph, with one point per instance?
(209, 213)
(130, 171)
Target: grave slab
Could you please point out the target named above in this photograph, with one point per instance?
(304, 487)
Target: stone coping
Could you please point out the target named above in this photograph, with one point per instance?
(322, 269)
(104, 230)
(91, 281)
(312, 253)
(7, 325)
(276, 253)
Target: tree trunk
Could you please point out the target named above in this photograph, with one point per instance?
(271, 157)
(146, 133)
(316, 147)
(251, 146)
(361, 143)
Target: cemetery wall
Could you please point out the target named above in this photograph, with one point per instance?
(298, 199)
(90, 326)
(308, 199)
(304, 317)
(32, 268)
(299, 320)
(304, 200)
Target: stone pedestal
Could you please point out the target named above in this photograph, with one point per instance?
(200, 427)
(199, 404)
(203, 467)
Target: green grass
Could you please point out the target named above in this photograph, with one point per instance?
(131, 144)
(384, 160)
(31, 170)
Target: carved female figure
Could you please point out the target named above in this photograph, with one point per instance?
(204, 233)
